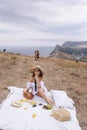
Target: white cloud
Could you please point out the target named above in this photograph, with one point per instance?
(21, 20)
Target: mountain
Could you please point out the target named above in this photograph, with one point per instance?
(71, 50)
(74, 44)
(62, 55)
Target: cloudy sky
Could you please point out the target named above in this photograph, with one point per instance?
(48, 22)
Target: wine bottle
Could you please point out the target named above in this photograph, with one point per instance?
(35, 86)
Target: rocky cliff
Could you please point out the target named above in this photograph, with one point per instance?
(71, 51)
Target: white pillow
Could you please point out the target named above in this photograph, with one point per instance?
(61, 99)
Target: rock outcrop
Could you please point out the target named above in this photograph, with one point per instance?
(71, 51)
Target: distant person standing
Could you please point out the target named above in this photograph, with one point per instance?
(4, 50)
(37, 54)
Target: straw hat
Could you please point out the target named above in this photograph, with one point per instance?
(36, 67)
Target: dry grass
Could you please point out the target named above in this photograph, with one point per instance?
(69, 76)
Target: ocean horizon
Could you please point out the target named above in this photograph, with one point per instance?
(27, 50)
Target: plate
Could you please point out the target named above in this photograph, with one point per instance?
(16, 103)
(47, 107)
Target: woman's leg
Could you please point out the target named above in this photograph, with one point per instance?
(43, 95)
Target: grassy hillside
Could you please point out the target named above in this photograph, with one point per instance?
(69, 76)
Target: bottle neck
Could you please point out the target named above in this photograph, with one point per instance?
(35, 85)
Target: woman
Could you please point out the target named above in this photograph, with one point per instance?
(36, 85)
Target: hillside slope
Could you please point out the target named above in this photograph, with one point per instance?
(69, 76)
(71, 51)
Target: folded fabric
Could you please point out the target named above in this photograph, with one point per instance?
(61, 99)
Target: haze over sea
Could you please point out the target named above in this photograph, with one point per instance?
(26, 50)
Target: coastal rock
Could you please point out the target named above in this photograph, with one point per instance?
(71, 50)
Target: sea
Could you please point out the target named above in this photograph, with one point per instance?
(29, 51)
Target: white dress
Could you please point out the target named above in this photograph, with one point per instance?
(32, 85)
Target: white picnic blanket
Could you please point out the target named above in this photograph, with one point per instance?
(12, 118)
